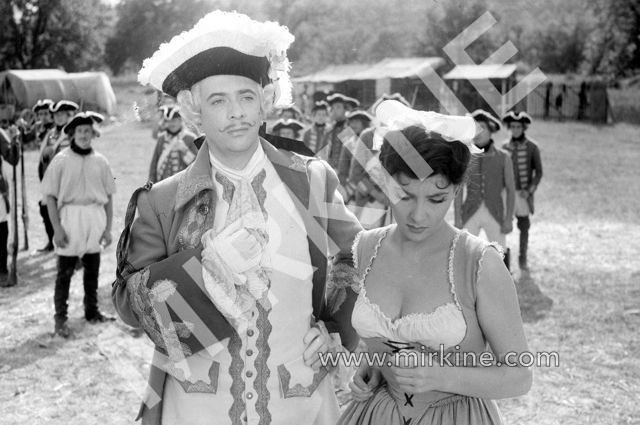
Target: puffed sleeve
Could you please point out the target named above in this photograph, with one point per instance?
(51, 178)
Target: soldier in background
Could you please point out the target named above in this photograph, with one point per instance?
(175, 148)
(53, 142)
(8, 151)
(527, 171)
(44, 118)
(289, 128)
(316, 136)
(479, 203)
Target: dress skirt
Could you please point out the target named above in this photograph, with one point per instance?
(384, 409)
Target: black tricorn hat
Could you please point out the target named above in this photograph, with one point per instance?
(512, 116)
(83, 118)
(481, 115)
(170, 111)
(64, 105)
(360, 115)
(294, 125)
(339, 97)
(321, 104)
(42, 104)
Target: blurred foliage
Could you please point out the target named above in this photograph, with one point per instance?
(68, 34)
(568, 36)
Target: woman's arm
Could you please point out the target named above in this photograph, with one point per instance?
(499, 318)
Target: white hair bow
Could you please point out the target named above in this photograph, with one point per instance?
(395, 115)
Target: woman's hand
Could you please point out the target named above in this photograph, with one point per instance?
(365, 381)
(416, 378)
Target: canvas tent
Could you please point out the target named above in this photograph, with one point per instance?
(503, 78)
(91, 90)
(367, 82)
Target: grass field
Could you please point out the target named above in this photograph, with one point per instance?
(581, 299)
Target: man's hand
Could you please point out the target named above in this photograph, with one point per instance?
(364, 382)
(507, 227)
(105, 239)
(60, 238)
(316, 341)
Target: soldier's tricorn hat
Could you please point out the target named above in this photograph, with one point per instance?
(521, 116)
(481, 115)
(83, 118)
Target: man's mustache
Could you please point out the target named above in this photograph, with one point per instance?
(236, 126)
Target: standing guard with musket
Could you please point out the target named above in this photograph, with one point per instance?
(9, 151)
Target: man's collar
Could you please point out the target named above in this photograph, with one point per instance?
(197, 177)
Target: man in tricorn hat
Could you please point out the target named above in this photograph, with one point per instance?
(479, 205)
(44, 117)
(316, 136)
(234, 249)
(78, 187)
(340, 105)
(51, 144)
(527, 170)
(289, 128)
(358, 121)
(175, 148)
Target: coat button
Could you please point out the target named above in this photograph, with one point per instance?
(249, 352)
(250, 332)
(203, 209)
(249, 374)
(249, 396)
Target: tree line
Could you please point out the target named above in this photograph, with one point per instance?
(598, 37)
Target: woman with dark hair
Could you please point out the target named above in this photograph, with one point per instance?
(426, 290)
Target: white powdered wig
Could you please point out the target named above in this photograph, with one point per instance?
(226, 29)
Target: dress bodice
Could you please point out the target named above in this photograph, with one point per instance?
(445, 325)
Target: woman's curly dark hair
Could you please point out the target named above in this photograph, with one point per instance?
(449, 159)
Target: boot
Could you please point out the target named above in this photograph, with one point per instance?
(523, 225)
(61, 328)
(99, 318)
(47, 248)
(507, 259)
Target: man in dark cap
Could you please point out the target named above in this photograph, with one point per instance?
(527, 170)
(316, 136)
(175, 148)
(340, 105)
(9, 152)
(78, 187)
(289, 128)
(290, 112)
(479, 203)
(358, 121)
(52, 143)
(44, 122)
